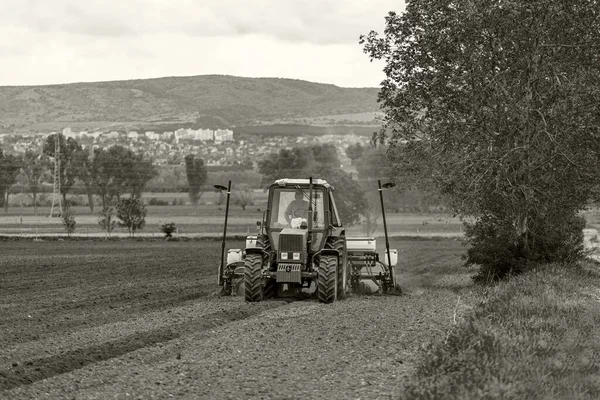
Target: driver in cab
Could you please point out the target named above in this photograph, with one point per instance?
(298, 208)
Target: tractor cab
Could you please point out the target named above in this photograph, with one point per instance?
(300, 245)
(289, 205)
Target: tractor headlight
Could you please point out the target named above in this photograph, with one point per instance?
(296, 256)
(284, 255)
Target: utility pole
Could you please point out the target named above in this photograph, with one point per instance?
(56, 198)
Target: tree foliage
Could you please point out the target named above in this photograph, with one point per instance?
(106, 221)
(350, 197)
(320, 162)
(68, 219)
(36, 171)
(141, 172)
(295, 162)
(243, 196)
(9, 170)
(196, 173)
(495, 105)
(373, 164)
(117, 170)
(354, 151)
(132, 214)
(83, 165)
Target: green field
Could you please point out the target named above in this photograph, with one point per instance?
(207, 219)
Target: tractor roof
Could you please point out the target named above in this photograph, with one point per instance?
(301, 182)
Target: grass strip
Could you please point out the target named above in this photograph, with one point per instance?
(536, 336)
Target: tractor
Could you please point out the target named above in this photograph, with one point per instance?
(301, 249)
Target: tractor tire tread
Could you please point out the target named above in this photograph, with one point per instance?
(252, 278)
(339, 244)
(327, 279)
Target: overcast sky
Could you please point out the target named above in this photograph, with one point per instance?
(61, 41)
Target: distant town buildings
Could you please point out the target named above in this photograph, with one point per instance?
(217, 147)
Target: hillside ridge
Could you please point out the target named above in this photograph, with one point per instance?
(230, 100)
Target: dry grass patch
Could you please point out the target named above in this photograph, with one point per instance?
(536, 337)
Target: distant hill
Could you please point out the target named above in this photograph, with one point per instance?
(216, 100)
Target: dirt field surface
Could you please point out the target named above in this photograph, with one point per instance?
(96, 319)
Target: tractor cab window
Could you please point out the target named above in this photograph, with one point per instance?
(290, 207)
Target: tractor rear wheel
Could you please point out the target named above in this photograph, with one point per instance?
(327, 280)
(253, 278)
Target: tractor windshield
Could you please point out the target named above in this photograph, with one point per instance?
(289, 207)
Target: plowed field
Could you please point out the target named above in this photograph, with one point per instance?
(140, 319)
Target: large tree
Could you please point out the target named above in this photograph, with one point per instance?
(83, 164)
(9, 170)
(141, 172)
(294, 162)
(116, 171)
(36, 171)
(196, 173)
(496, 105)
(67, 147)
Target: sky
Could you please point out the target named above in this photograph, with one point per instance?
(62, 41)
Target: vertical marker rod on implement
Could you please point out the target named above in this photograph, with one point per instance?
(222, 267)
(387, 243)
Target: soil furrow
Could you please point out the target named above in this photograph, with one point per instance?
(42, 368)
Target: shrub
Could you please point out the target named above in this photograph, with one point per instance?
(168, 228)
(68, 220)
(132, 213)
(243, 197)
(499, 252)
(105, 220)
(157, 202)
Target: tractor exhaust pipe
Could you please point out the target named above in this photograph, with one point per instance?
(221, 266)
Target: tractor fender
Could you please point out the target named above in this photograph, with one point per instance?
(328, 252)
(257, 250)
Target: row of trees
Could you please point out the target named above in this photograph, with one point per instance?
(109, 173)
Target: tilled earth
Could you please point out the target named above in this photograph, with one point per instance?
(140, 319)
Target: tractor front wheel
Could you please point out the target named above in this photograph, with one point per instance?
(252, 277)
(339, 244)
(327, 280)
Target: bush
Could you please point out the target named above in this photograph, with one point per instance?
(68, 219)
(105, 220)
(499, 252)
(168, 228)
(157, 202)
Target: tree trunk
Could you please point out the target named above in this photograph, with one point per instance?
(90, 196)
(34, 195)
(521, 225)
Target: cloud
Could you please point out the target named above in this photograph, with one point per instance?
(314, 21)
(59, 41)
